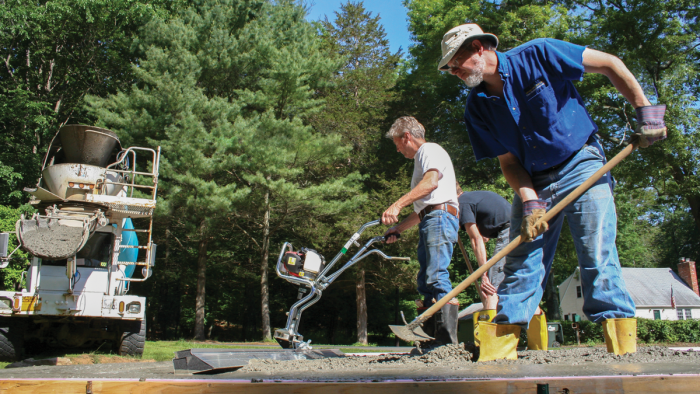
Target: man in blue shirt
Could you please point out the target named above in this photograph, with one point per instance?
(524, 110)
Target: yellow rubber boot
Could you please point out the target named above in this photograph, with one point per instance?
(537, 338)
(485, 316)
(620, 335)
(498, 341)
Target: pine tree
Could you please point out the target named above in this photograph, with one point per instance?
(226, 89)
(357, 105)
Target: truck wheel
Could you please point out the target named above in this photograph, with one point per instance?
(132, 342)
(11, 344)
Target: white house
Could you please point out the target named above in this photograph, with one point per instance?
(652, 290)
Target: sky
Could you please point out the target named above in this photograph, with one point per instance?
(391, 12)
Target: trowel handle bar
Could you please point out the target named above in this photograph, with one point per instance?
(397, 235)
(515, 242)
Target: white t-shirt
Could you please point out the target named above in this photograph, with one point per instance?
(431, 156)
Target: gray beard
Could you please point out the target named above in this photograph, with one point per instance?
(477, 76)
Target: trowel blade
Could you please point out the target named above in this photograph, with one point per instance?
(411, 335)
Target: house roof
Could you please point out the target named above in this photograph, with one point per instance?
(652, 287)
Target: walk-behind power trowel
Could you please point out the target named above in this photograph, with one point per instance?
(308, 269)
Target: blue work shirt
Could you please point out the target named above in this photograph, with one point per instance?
(541, 119)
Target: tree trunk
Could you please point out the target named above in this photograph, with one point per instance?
(396, 313)
(264, 291)
(361, 298)
(201, 283)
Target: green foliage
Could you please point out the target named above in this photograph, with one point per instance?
(12, 274)
(648, 331)
(55, 52)
(358, 99)
(227, 89)
(658, 43)
(664, 331)
(589, 332)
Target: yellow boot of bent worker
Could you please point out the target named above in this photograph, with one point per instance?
(620, 335)
(497, 341)
(485, 316)
(537, 338)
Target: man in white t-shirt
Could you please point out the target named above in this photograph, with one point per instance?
(435, 210)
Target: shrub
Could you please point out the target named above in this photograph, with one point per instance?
(648, 331)
(589, 333)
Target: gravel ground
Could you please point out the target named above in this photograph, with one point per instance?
(456, 357)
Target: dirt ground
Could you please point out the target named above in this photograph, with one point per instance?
(86, 359)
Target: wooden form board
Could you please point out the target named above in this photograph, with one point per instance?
(666, 384)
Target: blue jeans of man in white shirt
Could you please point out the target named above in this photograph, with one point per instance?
(593, 223)
(437, 235)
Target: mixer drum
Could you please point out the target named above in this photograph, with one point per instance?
(87, 144)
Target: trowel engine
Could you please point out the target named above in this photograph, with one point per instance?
(306, 263)
(307, 269)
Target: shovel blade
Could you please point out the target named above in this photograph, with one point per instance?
(411, 334)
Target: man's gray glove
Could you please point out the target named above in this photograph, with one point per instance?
(533, 210)
(650, 124)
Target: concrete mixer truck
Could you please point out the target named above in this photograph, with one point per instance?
(89, 240)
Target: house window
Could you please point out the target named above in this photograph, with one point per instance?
(657, 314)
(579, 293)
(684, 316)
(566, 317)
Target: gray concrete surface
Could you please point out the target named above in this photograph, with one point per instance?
(450, 364)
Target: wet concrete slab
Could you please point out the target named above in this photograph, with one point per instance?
(473, 371)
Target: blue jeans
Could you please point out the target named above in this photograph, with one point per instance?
(593, 223)
(496, 271)
(437, 235)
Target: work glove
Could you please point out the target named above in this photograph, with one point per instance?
(533, 210)
(650, 124)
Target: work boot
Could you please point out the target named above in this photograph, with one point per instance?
(446, 324)
(537, 338)
(485, 316)
(497, 341)
(442, 326)
(620, 335)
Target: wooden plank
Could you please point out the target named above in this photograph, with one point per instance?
(578, 385)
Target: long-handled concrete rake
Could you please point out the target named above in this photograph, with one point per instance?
(412, 332)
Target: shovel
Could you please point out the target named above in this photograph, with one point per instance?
(412, 332)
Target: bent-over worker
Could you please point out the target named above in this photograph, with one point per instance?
(524, 110)
(485, 215)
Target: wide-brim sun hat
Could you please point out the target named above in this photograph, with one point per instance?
(454, 39)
